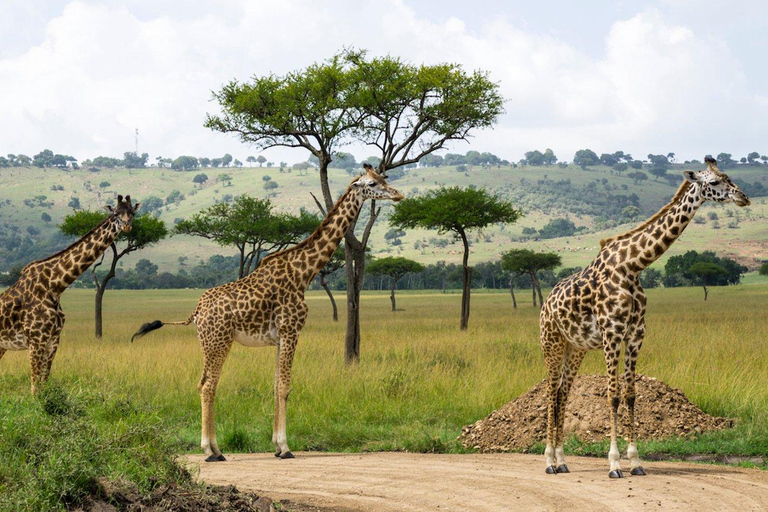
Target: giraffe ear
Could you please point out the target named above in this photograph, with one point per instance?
(690, 176)
(108, 208)
(136, 207)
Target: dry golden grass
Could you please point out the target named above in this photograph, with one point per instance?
(420, 378)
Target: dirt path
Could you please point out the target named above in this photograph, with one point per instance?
(384, 482)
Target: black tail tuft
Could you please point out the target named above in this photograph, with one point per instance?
(148, 327)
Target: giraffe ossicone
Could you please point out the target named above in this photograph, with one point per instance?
(267, 308)
(603, 307)
(30, 313)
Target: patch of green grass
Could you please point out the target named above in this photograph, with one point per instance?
(56, 446)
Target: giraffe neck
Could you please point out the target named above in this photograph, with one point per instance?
(311, 255)
(635, 250)
(66, 266)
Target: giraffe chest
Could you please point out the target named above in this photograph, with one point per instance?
(257, 339)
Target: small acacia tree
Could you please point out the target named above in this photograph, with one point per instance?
(395, 267)
(250, 225)
(456, 210)
(524, 261)
(145, 230)
(706, 272)
(764, 269)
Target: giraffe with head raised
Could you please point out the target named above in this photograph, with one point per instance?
(30, 312)
(603, 307)
(267, 308)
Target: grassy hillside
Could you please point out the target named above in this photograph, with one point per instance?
(533, 189)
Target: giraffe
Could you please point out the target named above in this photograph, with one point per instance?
(267, 308)
(603, 306)
(30, 312)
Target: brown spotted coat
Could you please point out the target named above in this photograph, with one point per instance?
(267, 308)
(30, 312)
(603, 307)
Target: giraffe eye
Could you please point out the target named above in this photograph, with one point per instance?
(372, 185)
(714, 182)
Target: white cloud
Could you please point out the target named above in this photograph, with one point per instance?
(102, 70)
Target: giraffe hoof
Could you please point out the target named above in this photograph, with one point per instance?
(277, 453)
(551, 470)
(616, 473)
(215, 458)
(562, 468)
(286, 455)
(638, 471)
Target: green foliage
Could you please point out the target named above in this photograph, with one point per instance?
(557, 228)
(185, 163)
(525, 261)
(454, 210)
(200, 178)
(250, 225)
(394, 266)
(145, 230)
(764, 269)
(585, 158)
(55, 447)
(694, 268)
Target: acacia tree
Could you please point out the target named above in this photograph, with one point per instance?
(764, 269)
(524, 261)
(406, 111)
(145, 230)
(455, 210)
(706, 272)
(395, 267)
(250, 225)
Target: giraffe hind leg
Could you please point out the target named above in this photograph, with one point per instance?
(553, 346)
(572, 361)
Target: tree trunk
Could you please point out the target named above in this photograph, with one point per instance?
(355, 266)
(97, 311)
(706, 292)
(467, 276)
(330, 296)
(101, 287)
(512, 292)
(538, 289)
(533, 290)
(392, 295)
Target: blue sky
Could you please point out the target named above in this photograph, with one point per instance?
(681, 76)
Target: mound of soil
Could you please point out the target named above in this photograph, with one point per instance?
(114, 495)
(660, 411)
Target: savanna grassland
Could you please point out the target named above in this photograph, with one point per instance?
(420, 379)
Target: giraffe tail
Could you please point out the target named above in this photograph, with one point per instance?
(152, 326)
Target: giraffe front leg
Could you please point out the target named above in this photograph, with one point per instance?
(38, 362)
(630, 360)
(612, 350)
(286, 351)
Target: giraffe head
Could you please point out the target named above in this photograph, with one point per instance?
(715, 185)
(123, 213)
(372, 185)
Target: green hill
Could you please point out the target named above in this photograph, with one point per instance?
(593, 199)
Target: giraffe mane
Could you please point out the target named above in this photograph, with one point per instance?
(52, 256)
(680, 193)
(313, 237)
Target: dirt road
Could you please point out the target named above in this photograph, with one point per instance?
(384, 482)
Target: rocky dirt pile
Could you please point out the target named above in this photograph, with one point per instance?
(112, 496)
(660, 411)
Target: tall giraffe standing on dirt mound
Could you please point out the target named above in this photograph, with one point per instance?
(603, 306)
(30, 313)
(267, 307)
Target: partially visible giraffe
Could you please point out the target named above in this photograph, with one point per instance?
(267, 307)
(603, 307)
(30, 313)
